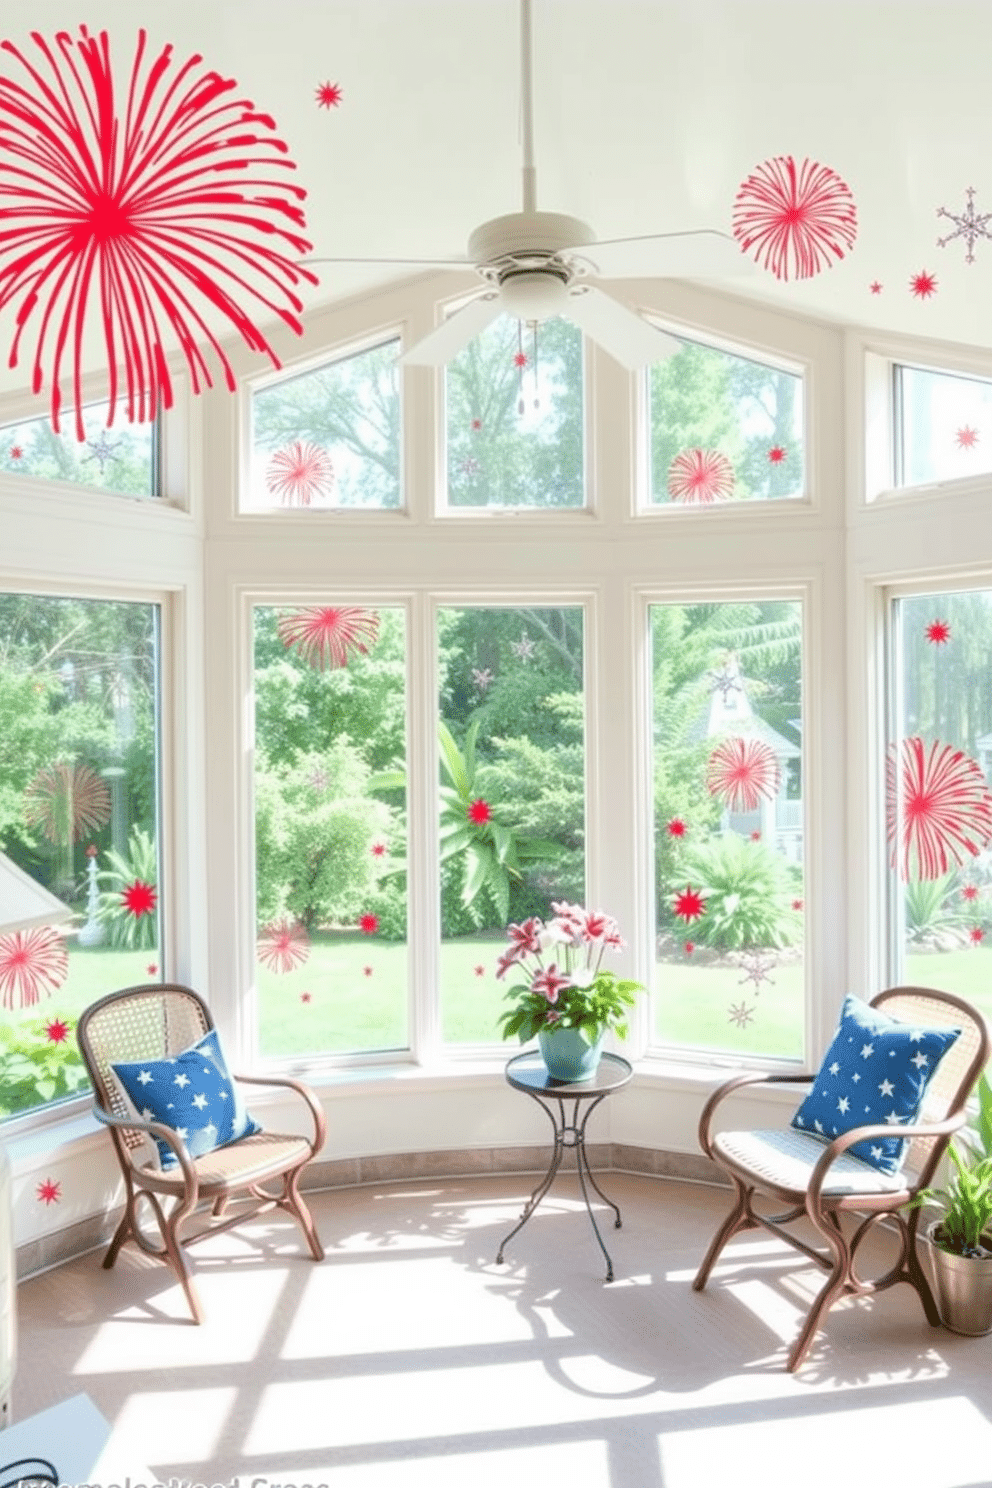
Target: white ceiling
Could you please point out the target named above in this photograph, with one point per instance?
(648, 116)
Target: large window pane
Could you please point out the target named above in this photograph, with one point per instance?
(512, 733)
(723, 428)
(328, 438)
(943, 426)
(78, 821)
(330, 828)
(728, 822)
(938, 798)
(514, 418)
(121, 458)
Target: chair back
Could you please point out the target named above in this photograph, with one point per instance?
(156, 1021)
(949, 1088)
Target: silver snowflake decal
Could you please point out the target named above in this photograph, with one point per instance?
(482, 678)
(970, 225)
(740, 1014)
(726, 681)
(523, 649)
(756, 967)
(103, 450)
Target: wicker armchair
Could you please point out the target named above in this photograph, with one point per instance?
(818, 1182)
(159, 1022)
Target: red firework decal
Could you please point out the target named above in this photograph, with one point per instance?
(157, 205)
(300, 472)
(966, 437)
(139, 898)
(67, 802)
(283, 946)
(48, 1191)
(938, 632)
(795, 218)
(328, 95)
(776, 454)
(923, 285)
(700, 476)
(740, 771)
(689, 905)
(31, 962)
(368, 924)
(328, 635)
(57, 1031)
(938, 808)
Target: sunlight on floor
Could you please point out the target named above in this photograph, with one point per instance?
(951, 1444)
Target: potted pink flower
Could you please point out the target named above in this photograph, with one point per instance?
(562, 993)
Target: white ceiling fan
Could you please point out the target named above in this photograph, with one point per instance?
(542, 264)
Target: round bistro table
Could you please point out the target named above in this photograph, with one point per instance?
(527, 1072)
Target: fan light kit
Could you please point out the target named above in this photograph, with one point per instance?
(535, 267)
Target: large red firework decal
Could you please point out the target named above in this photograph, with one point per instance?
(938, 808)
(795, 218)
(740, 771)
(31, 962)
(157, 206)
(328, 635)
(67, 801)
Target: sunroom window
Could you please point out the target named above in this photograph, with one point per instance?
(728, 827)
(512, 792)
(514, 419)
(328, 438)
(122, 458)
(80, 907)
(723, 427)
(330, 828)
(942, 425)
(938, 792)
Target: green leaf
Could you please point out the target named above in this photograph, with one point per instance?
(453, 762)
(478, 860)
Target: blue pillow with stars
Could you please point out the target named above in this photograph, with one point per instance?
(875, 1071)
(193, 1093)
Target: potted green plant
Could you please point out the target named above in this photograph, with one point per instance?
(566, 998)
(960, 1239)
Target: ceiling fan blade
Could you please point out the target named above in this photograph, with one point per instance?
(444, 343)
(413, 263)
(627, 338)
(705, 254)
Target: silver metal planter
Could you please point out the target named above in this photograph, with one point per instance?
(964, 1288)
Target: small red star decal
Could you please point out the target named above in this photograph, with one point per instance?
(56, 1032)
(977, 934)
(305, 997)
(690, 946)
(923, 285)
(16, 453)
(151, 969)
(938, 632)
(91, 851)
(755, 836)
(479, 812)
(139, 898)
(49, 1192)
(875, 287)
(969, 892)
(776, 454)
(479, 970)
(676, 827)
(328, 95)
(366, 971)
(378, 849)
(966, 437)
(520, 359)
(476, 424)
(797, 904)
(368, 924)
(689, 905)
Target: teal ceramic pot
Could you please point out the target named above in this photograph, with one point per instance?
(567, 1055)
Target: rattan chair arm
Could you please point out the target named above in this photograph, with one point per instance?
(168, 1135)
(840, 1144)
(305, 1094)
(737, 1082)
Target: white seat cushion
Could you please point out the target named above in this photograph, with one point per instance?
(787, 1158)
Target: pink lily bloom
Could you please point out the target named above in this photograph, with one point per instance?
(549, 982)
